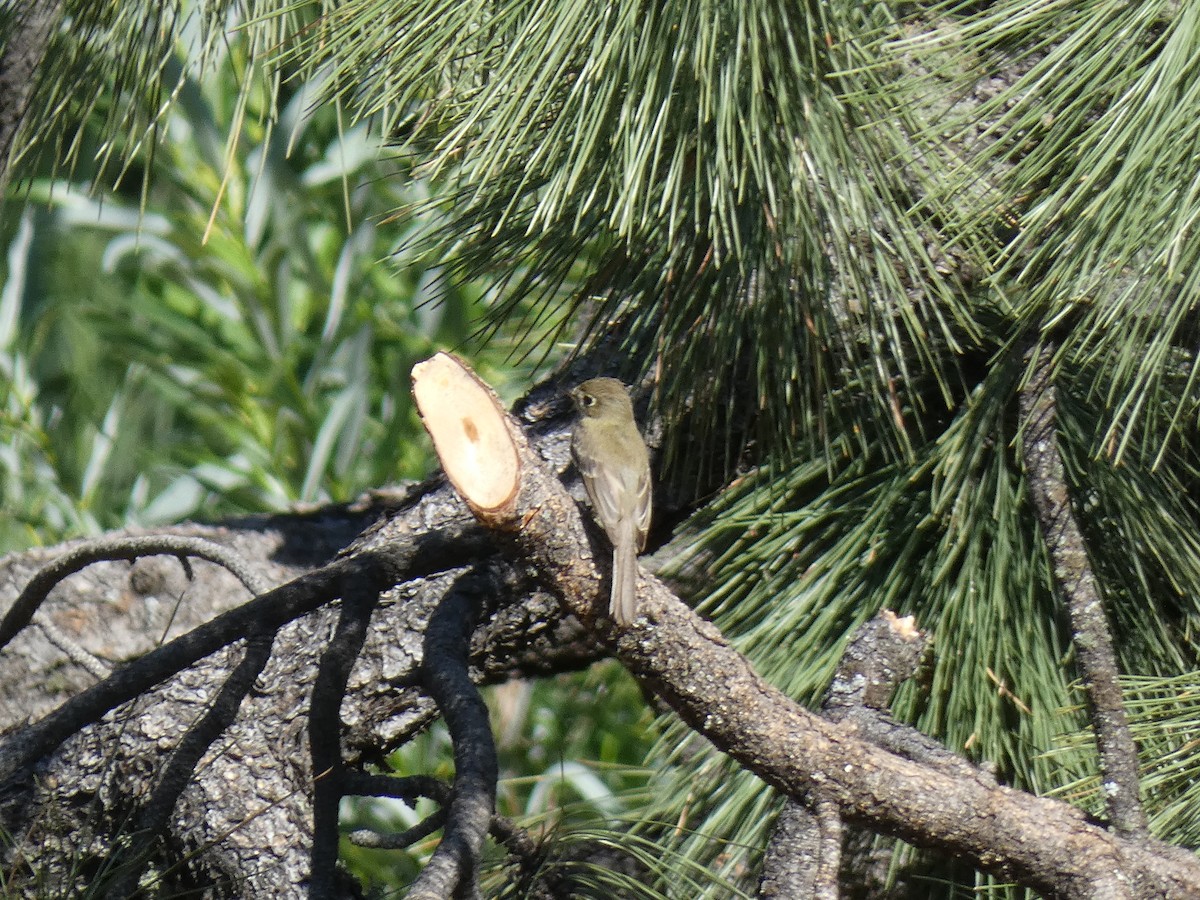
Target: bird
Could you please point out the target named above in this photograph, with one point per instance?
(615, 465)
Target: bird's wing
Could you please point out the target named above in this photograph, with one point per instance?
(642, 507)
(604, 490)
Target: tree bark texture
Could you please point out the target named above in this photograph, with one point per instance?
(29, 31)
(1076, 581)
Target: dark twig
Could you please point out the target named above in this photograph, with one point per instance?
(1076, 580)
(452, 869)
(517, 840)
(408, 788)
(129, 548)
(325, 727)
(156, 812)
(398, 840)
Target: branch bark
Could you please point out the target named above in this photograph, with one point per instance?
(804, 853)
(1076, 580)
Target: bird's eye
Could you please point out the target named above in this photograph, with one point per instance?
(588, 400)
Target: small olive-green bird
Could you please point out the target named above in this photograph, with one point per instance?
(612, 458)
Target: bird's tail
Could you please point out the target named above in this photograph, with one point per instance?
(623, 605)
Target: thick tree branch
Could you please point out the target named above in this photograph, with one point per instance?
(1075, 578)
(156, 812)
(1044, 844)
(883, 652)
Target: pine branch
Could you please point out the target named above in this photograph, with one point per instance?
(1076, 580)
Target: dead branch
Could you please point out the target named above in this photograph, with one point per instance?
(452, 870)
(359, 597)
(248, 790)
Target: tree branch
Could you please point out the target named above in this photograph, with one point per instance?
(408, 789)
(130, 548)
(1044, 844)
(265, 614)
(152, 822)
(411, 787)
(804, 853)
(1076, 581)
(884, 652)
(77, 654)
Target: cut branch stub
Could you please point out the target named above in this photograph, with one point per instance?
(505, 482)
(467, 424)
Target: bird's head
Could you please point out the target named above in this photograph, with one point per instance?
(597, 396)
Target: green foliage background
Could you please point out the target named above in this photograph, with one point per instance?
(831, 230)
(228, 330)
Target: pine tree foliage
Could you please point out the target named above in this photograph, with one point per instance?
(733, 174)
